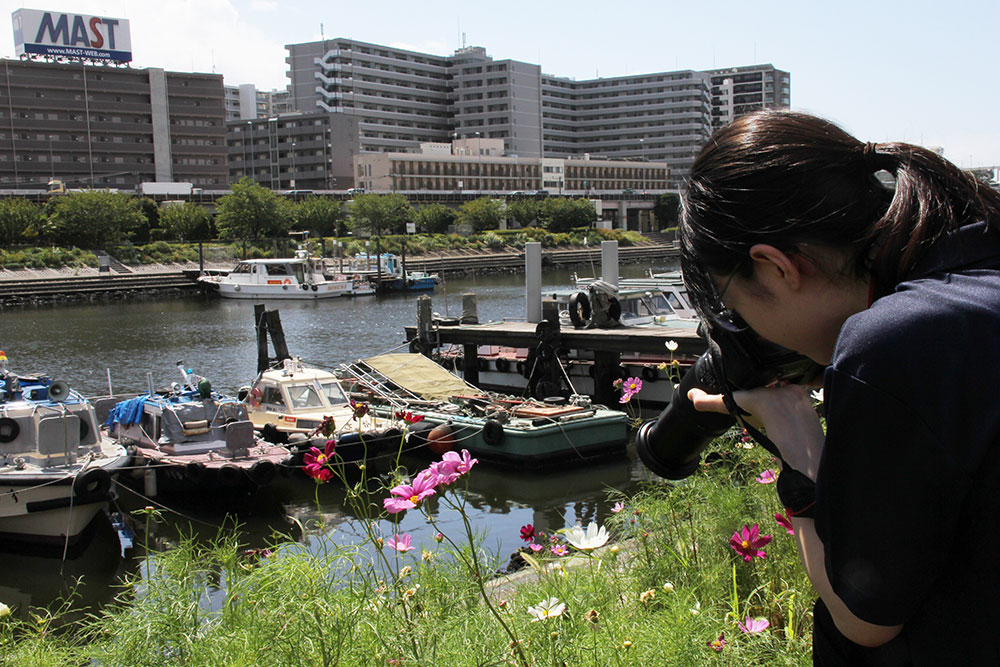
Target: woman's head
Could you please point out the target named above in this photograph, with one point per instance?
(791, 180)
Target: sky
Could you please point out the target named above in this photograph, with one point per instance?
(919, 71)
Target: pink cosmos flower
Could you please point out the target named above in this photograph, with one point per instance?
(400, 543)
(535, 547)
(452, 466)
(754, 625)
(769, 476)
(409, 417)
(438, 537)
(630, 388)
(748, 542)
(618, 507)
(408, 496)
(717, 644)
(785, 523)
(559, 550)
(527, 532)
(617, 384)
(316, 462)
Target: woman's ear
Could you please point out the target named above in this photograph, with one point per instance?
(774, 267)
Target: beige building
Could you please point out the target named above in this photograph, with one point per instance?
(478, 165)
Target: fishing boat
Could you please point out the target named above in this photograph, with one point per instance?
(452, 414)
(389, 270)
(57, 471)
(191, 437)
(302, 406)
(302, 277)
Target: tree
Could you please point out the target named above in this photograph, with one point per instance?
(151, 211)
(252, 211)
(381, 214)
(185, 221)
(561, 215)
(323, 216)
(482, 214)
(523, 211)
(19, 218)
(666, 208)
(93, 218)
(435, 218)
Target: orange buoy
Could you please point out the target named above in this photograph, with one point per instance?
(441, 439)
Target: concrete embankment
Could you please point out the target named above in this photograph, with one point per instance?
(30, 286)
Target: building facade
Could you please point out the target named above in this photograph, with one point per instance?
(404, 98)
(245, 102)
(109, 127)
(737, 91)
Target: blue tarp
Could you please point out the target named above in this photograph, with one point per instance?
(127, 412)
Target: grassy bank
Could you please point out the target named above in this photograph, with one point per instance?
(668, 588)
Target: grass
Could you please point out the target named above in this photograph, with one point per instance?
(667, 586)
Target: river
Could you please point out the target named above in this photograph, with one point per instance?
(92, 346)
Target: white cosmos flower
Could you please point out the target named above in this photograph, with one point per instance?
(585, 540)
(4, 610)
(547, 609)
(671, 345)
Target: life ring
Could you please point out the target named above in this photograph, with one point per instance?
(91, 485)
(262, 472)
(502, 364)
(579, 309)
(194, 472)
(9, 429)
(649, 374)
(356, 277)
(493, 432)
(287, 281)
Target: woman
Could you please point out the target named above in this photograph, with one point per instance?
(787, 229)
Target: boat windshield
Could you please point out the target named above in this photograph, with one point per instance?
(334, 394)
(304, 396)
(300, 275)
(242, 267)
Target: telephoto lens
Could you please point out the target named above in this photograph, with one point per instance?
(671, 445)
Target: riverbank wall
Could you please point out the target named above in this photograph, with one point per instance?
(38, 286)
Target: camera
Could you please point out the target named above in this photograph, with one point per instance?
(737, 358)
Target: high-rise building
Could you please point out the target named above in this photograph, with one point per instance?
(245, 102)
(404, 98)
(740, 90)
(109, 127)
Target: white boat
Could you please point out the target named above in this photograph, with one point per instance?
(56, 468)
(300, 277)
(669, 283)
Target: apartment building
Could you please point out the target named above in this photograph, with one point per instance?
(110, 127)
(245, 102)
(740, 90)
(405, 98)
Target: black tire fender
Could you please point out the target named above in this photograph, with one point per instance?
(493, 432)
(9, 429)
(92, 484)
(502, 364)
(579, 309)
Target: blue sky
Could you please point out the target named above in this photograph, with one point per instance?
(921, 72)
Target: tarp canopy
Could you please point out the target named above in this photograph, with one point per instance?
(420, 376)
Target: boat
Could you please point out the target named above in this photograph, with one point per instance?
(191, 437)
(388, 268)
(669, 283)
(301, 277)
(448, 413)
(302, 406)
(57, 471)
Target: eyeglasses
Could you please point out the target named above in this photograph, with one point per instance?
(725, 317)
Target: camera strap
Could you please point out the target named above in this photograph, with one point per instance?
(796, 492)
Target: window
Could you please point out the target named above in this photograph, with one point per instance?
(304, 396)
(272, 396)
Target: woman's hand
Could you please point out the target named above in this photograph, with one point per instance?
(785, 412)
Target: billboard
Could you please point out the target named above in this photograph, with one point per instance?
(71, 35)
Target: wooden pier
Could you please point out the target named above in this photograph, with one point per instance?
(607, 345)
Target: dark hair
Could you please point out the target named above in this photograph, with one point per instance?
(786, 178)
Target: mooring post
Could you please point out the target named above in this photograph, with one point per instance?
(533, 281)
(470, 370)
(470, 312)
(201, 258)
(609, 262)
(424, 325)
(607, 369)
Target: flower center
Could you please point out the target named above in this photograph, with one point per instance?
(746, 544)
(415, 499)
(321, 459)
